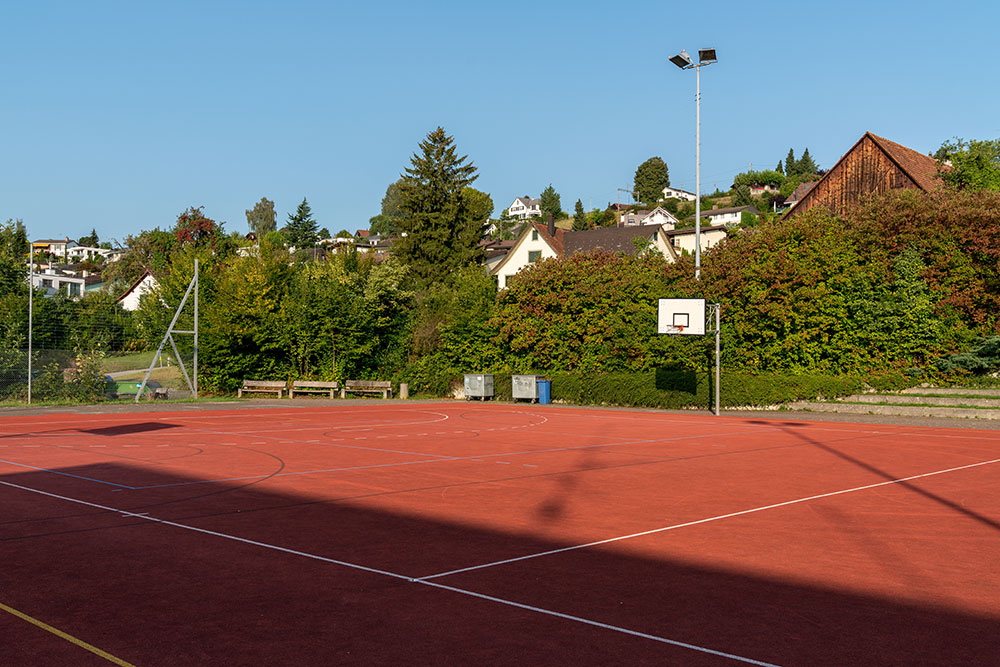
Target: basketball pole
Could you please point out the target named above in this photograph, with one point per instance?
(718, 372)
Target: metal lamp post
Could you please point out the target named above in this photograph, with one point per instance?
(683, 60)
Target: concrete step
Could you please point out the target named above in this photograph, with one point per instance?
(897, 410)
(942, 391)
(918, 399)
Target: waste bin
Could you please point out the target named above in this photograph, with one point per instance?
(544, 390)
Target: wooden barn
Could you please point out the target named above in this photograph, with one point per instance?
(873, 166)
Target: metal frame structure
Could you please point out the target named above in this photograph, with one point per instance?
(712, 309)
(192, 286)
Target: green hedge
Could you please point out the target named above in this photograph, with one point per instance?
(676, 389)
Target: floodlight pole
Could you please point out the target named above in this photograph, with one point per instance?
(31, 312)
(718, 372)
(683, 60)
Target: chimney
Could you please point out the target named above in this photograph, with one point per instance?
(552, 227)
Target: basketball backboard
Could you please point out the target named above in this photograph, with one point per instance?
(681, 316)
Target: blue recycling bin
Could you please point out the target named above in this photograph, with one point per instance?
(544, 390)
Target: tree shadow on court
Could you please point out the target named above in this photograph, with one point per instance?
(221, 573)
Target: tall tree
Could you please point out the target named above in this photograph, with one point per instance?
(90, 240)
(14, 248)
(261, 218)
(439, 230)
(386, 223)
(806, 164)
(550, 203)
(780, 168)
(301, 228)
(791, 166)
(579, 217)
(650, 178)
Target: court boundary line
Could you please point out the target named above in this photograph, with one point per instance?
(701, 521)
(395, 575)
(65, 635)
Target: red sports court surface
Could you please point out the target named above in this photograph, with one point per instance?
(460, 533)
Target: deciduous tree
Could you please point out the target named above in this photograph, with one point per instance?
(974, 164)
(261, 218)
(650, 178)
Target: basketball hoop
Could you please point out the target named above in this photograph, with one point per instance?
(676, 329)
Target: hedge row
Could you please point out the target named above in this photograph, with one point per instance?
(679, 389)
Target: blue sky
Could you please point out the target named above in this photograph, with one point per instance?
(119, 115)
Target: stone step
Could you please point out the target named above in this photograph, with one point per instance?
(933, 391)
(916, 399)
(896, 410)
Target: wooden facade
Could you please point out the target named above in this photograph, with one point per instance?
(873, 166)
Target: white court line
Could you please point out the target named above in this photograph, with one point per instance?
(144, 516)
(707, 520)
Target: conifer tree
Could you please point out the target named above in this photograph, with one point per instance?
(791, 166)
(301, 228)
(579, 217)
(806, 165)
(440, 231)
(780, 169)
(550, 204)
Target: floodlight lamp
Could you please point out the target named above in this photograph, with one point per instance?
(682, 60)
(706, 56)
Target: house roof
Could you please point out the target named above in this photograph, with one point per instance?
(50, 241)
(921, 168)
(133, 286)
(555, 242)
(801, 191)
(678, 190)
(615, 239)
(528, 201)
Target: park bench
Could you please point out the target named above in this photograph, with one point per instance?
(311, 387)
(383, 387)
(261, 386)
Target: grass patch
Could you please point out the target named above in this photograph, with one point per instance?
(168, 377)
(128, 362)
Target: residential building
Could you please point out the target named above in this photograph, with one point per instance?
(145, 284)
(538, 241)
(525, 207)
(57, 247)
(873, 166)
(54, 281)
(727, 217)
(658, 216)
(799, 193)
(675, 193)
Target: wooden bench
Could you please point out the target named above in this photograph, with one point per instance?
(310, 387)
(261, 386)
(383, 387)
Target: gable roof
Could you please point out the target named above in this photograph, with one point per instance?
(528, 201)
(801, 191)
(614, 239)
(712, 212)
(921, 168)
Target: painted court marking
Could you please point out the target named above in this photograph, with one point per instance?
(64, 635)
(707, 520)
(394, 575)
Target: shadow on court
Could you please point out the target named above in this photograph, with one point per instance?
(153, 593)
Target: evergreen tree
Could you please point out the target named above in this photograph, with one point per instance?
(791, 166)
(91, 240)
(301, 228)
(261, 218)
(325, 233)
(550, 204)
(806, 165)
(579, 217)
(650, 178)
(441, 232)
(780, 169)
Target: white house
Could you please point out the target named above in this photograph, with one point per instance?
(525, 207)
(72, 285)
(538, 242)
(674, 193)
(57, 247)
(534, 244)
(144, 285)
(79, 252)
(658, 216)
(729, 217)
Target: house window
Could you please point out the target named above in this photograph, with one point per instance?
(534, 256)
(74, 289)
(654, 236)
(534, 235)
